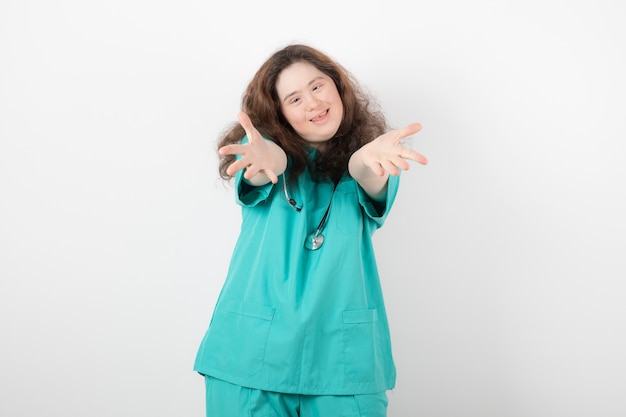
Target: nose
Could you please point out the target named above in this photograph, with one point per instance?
(313, 102)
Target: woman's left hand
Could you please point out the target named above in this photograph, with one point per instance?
(387, 154)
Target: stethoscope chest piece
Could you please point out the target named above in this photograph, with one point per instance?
(314, 241)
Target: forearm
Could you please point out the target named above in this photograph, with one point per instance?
(373, 184)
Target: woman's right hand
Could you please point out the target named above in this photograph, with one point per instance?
(262, 159)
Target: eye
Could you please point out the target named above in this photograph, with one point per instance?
(317, 87)
(294, 100)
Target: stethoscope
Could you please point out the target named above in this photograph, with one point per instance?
(314, 240)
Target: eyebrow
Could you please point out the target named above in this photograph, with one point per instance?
(293, 93)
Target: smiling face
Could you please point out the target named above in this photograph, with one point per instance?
(310, 102)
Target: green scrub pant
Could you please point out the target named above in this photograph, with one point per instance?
(227, 400)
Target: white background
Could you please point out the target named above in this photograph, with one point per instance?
(503, 261)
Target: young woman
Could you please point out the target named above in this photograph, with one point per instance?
(300, 327)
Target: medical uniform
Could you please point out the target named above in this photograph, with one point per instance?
(297, 321)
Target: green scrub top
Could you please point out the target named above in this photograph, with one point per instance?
(293, 320)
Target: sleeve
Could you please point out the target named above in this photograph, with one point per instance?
(250, 195)
(378, 211)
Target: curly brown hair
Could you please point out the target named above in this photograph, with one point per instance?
(362, 122)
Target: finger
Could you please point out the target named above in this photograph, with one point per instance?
(271, 175)
(390, 168)
(409, 130)
(401, 163)
(251, 172)
(232, 150)
(244, 120)
(414, 156)
(247, 125)
(235, 166)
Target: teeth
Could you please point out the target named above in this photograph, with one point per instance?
(319, 116)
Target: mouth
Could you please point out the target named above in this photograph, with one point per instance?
(320, 116)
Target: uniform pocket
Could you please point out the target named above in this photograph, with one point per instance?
(372, 405)
(360, 344)
(237, 337)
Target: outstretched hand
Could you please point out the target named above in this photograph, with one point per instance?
(257, 156)
(387, 154)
